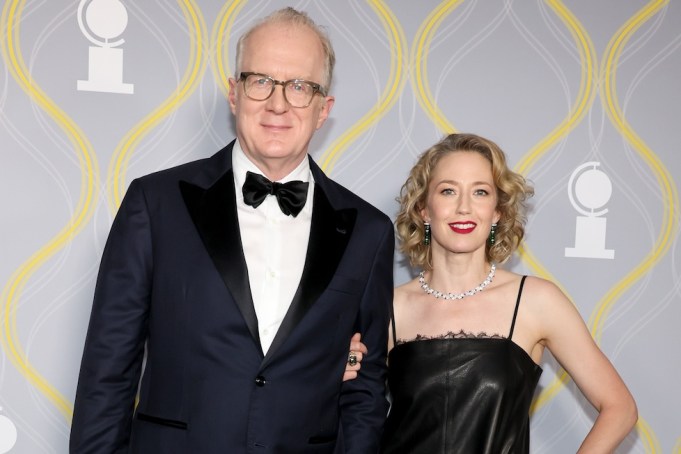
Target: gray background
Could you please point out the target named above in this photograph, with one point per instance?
(555, 85)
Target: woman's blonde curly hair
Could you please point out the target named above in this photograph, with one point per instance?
(512, 192)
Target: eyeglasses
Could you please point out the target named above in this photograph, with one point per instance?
(297, 92)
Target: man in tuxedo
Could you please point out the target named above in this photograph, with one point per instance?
(243, 276)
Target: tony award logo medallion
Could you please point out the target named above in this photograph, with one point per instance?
(106, 19)
(590, 189)
(8, 433)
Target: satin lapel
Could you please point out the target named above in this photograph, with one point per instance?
(330, 231)
(213, 211)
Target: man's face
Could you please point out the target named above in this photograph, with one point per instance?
(273, 134)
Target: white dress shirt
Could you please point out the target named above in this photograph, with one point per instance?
(274, 244)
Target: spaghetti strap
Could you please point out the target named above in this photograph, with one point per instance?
(517, 304)
(392, 323)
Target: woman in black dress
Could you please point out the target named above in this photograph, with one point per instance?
(468, 336)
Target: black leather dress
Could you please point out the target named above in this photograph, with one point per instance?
(460, 394)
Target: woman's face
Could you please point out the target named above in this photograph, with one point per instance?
(461, 203)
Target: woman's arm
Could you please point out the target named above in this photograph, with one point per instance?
(569, 340)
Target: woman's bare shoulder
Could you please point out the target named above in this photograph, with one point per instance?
(405, 291)
(543, 292)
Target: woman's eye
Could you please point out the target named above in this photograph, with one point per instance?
(447, 191)
(481, 192)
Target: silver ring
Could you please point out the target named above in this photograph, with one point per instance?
(352, 359)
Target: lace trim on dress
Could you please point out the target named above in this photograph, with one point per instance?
(452, 335)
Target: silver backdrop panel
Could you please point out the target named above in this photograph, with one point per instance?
(584, 97)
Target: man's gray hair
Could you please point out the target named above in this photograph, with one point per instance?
(293, 17)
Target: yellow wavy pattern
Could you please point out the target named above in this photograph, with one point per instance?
(585, 96)
(583, 102)
(677, 446)
(190, 80)
(650, 442)
(394, 87)
(419, 62)
(220, 37)
(11, 51)
(87, 160)
(670, 198)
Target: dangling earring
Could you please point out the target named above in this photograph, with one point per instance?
(426, 235)
(492, 232)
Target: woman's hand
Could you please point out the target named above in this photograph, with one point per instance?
(357, 352)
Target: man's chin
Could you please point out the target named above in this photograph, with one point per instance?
(278, 150)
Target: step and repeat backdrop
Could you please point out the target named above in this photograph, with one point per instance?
(584, 96)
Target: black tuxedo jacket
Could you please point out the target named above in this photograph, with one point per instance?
(173, 281)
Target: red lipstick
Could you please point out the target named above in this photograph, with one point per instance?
(463, 226)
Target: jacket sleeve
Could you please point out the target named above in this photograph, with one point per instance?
(363, 402)
(114, 346)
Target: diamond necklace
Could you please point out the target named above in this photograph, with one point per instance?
(456, 296)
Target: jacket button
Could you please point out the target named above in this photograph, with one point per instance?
(260, 381)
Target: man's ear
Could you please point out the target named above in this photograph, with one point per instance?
(327, 104)
(232, 94)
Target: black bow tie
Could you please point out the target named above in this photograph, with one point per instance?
(291, 196)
